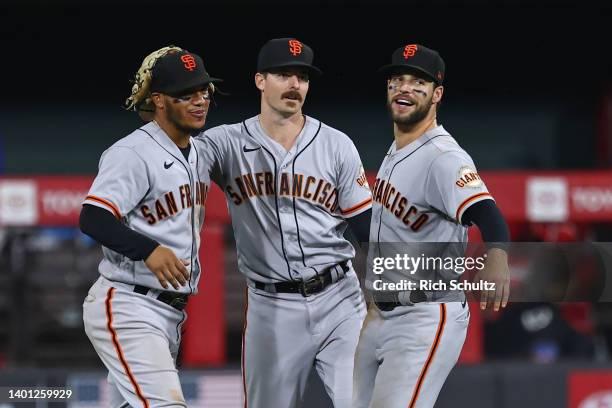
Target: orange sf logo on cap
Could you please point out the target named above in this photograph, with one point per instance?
(410, 50)
(188, 61)
(295, 47)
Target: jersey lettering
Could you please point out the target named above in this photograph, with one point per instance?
(166, 206)
(389, 197)
(261, 184)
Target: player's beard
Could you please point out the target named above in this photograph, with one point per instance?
(175, 116)
(412, 119)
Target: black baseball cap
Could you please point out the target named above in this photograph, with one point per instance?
(286, 52)
(417, 57)
(178, 72)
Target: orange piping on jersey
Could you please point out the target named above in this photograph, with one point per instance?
(106, 203)
(243, 362)
(357, 207)
(468, 201)
(113, 333)
(432, 353)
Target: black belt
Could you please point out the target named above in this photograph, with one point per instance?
(309, 287)
(416, 296)
(176, 300)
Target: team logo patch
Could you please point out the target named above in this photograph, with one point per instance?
(362, 179)
(467, 177)
(188, 61)
(295, 47)
(410, 50)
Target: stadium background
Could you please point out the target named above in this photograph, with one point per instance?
(528, 93)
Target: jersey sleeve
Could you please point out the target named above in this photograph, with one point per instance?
(354, 195)
(121, 183)
(211, 146)
(453, 184)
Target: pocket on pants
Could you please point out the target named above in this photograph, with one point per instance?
(463, 317)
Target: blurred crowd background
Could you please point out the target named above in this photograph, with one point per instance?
(528, 92)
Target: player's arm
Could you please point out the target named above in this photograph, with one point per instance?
(354, 196)
(455, 188)
(360, 225)
(494, 230)
(211, 147)
(102, 226)
(490, 221)
(121, 183)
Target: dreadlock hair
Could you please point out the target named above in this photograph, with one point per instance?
(140, 99)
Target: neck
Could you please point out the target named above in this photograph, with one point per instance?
(178, 136)
(282, 129)
(404, 135)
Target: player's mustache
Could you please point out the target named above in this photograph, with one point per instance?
(292, 95)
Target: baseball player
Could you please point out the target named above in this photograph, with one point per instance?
(146, 208)
(292, 185)
(427, 190)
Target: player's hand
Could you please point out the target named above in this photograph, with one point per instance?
(167, 267)
(495, 271)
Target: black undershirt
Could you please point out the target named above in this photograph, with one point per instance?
(360, 226)
(102, 226)
(185, 151)
(490, 221)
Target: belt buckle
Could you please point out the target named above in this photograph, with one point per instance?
(311, 286)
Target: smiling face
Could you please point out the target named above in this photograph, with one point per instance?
(283, 90)
(411, 98)
(186, 112)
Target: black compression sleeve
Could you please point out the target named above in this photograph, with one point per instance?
(102, 226)
(360, 226)
(486, 215)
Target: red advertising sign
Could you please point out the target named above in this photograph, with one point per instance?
(590, 389)
(42, 201)
(521, 195)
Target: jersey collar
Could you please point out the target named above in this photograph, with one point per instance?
(164, 140)
(420, 141)
(263, 139)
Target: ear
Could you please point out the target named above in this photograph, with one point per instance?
(158, 100)
(437, 94)
(260, 80)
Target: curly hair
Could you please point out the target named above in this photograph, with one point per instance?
(140, 99)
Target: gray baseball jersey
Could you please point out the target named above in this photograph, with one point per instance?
(420, 194)
(404, 355)
(288, 207)
(145, 181)
(423, 189)
(288, 211)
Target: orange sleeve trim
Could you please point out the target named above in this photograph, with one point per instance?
(106, 203)
(357, 207)
(430, 357)
(113, 333)
(469, 201)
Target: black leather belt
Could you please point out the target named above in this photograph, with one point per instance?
(309, 287)
(176, 300)
(416, 296)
